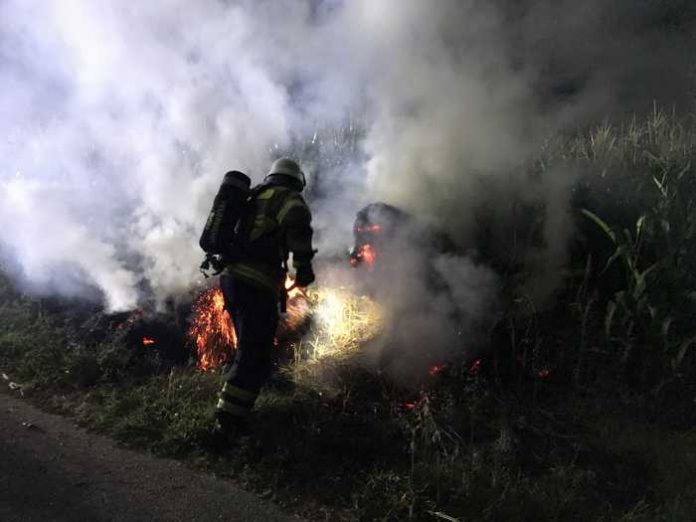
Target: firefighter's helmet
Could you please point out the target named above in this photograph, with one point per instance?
(288, 167)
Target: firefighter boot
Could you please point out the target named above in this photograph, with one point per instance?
(232, 414)
(228, 431)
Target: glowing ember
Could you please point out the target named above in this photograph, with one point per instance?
(475, 367)
(148, 341)
(367, 254)
(212, 331)
(435, 370)
(340, 323)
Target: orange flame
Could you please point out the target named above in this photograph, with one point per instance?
(148, 341)
(212, 331)
(367, 254)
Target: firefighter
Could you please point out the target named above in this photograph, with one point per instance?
(277, 223)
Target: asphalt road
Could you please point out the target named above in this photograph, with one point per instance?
(51, 470)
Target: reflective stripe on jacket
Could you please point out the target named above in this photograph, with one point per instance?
(255, 275)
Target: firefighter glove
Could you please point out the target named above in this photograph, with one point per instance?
(304, 276)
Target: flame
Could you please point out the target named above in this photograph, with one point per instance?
(343, 322)
(340, 323)
(148, 341)
(211, 331)
(365, 253)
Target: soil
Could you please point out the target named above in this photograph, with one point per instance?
(51, 470)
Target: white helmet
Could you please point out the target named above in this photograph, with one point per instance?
(288, 167)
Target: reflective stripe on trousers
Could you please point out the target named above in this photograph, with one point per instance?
(235, 400)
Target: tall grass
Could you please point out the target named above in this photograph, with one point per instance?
(649, 326)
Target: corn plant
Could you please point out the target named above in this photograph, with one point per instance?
(652, 312)
(629, 306)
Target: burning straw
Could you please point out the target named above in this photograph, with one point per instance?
(320, 323)
(211, 331)
(342, 323)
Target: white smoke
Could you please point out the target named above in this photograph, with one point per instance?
(118, 120)
(121, 120)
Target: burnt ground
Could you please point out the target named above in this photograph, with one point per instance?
(52, 470)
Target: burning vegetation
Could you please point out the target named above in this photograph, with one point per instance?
(381, 230)
(211, 330)
(318, 323)
(583, 410)
(342, 323)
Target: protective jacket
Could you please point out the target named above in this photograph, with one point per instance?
(278, 223)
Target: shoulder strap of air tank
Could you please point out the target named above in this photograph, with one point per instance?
(257, 190)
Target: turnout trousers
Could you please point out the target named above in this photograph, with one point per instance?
(254, 312)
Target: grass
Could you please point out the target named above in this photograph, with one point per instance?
(583, 411)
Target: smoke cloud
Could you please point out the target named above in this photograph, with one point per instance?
(119, 120)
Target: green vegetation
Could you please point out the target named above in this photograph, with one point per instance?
(584, 410)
